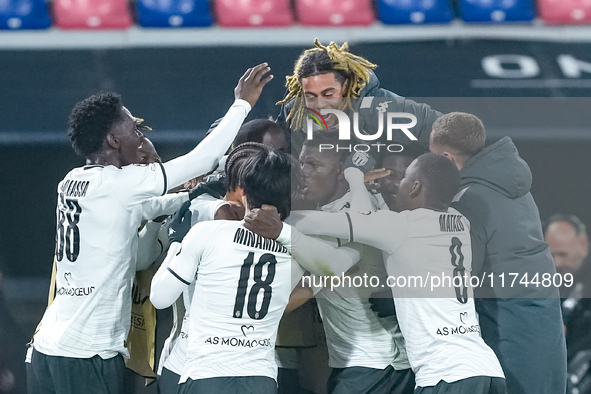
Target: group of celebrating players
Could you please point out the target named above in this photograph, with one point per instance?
(231, 251)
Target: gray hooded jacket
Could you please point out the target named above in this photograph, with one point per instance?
(522, 324)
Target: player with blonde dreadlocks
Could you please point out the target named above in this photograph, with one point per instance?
(331, 77)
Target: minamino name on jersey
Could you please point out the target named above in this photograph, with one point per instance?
(75, 188)
(248, 238)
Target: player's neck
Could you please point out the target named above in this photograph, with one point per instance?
(340, 191)
(108, 158)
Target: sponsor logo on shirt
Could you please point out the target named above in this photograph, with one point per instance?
(74, 291)
(247, 342)
(461, 329)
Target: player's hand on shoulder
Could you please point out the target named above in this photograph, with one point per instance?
(264, 221)
(251, 84)
(180, 223)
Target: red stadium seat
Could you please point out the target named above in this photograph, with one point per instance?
(92, 14)
(244, 13)
(569, 12)
(335, 12)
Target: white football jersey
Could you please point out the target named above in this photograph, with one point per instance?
(99, 211)
(441, 328)
(203, 208)
(355, 336)
(243, 282)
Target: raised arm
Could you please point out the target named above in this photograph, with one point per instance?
(208, 153)
(313, 254)
(384, 230)
(319, 256)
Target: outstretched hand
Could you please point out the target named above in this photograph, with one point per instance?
(264, 221)
(251, 84)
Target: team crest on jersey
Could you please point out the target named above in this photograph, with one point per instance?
(151, 165)
(383, 107)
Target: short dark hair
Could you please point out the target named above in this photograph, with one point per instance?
(440, 176)
(461, 131)
(91, 120)
(265, 179)
(236, 159)
(255, 130)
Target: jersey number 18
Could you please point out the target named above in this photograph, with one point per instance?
(259, 284)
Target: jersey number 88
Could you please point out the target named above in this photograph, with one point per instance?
(67, 235)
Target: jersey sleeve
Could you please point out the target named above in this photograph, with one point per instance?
(384, 230)
(179, 268)
(185, 263)
(163, 205)
(318, 256)
(360, 198)
(136, 183)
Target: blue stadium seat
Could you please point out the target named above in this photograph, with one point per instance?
(414, 11)
(173, 13)
(24, 14)
(498, 11)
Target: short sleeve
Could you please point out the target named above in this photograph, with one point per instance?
(136, 183)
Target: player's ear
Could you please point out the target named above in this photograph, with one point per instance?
(112, 140)
(454, 159)
(416, 189)
(346, 85)
(240, 193)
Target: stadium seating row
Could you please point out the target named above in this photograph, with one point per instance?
(116, 14)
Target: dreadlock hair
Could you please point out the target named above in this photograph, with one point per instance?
(236, 159)
(91, 120)
(323, 60)
(265, 179)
